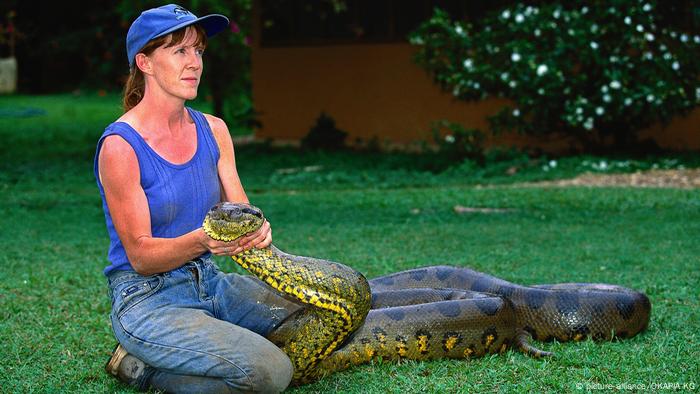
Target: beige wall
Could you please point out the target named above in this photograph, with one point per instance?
(376, 90)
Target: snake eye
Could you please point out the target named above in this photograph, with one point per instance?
(252, 212)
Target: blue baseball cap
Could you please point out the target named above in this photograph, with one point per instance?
(160, 21)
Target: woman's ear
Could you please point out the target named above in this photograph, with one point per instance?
(143, 62)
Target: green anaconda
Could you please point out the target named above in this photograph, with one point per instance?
(424, 313)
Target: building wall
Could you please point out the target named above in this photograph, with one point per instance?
(375, 90)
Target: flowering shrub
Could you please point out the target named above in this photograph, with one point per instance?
(596, 72)
(457, 142)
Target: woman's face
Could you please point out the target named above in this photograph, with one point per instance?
(177, 69)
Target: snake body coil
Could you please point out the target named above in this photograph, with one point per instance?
(422, 314)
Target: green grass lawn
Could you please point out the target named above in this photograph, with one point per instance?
(392, 214)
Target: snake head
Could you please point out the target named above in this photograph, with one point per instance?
(227, 221)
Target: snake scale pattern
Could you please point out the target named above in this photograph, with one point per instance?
(421, 314)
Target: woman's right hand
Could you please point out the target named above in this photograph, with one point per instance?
(220, 248)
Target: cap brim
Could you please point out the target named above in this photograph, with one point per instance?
(212, 24)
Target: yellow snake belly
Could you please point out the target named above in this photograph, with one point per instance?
(339, 299)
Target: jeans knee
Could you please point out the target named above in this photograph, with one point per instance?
(270, 371)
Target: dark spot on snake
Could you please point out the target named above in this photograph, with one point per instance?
(365, 340)
(418, 275)
(443, 273)
(396, 314)
(379, 334)
(489, 336)
(401, 339)
(581, 329)
(598, 336)
(423, 333)
(535, 298)
(481, 284)
(452, 337)
(567, 303)
(625, 306)
(490, 306)
(447, 308)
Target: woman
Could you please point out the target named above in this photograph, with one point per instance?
(182, 325)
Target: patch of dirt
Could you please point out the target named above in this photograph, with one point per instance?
(684, 179)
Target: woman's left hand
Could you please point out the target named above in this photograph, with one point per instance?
(259, 239)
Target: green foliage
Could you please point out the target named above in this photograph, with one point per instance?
(457, 142)
(324, 135)
(597, 71)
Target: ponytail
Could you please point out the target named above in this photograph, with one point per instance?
(134, 89)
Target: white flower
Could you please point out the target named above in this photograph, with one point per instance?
(516, 112)
(650, 98)
(662, 47)
(417, 41)
(540, 91)
(628, 101)
(599, 111)
(515, 57)
(684, 37)
(594, 45)
(668, 56)
(649, 36)
(614, 59)
(553, 163)
(505, 14)
(476, 85)
(528, 10)
(648, 55)
(615, 84)
(519, 18)
(468, 64)
(594, 28)
(697, 93)
(455, 90)
(673, 34)
(579, 111)
(556, 14)
(607, 98)
(504, 76)
(588, 124)
(675, 66)
(450, 139)
(512, 84)
(459, 30)
(647, 7)
(628, 20)
(604, 88)
(542, 69)
(640, 28)
(696, 39)
(584, 10)
(537, 32)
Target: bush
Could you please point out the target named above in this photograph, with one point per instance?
(324, 135)
(457, 142)
(598, 72)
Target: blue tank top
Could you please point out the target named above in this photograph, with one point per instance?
(179, 195)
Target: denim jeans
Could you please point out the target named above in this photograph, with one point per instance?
(201, 330)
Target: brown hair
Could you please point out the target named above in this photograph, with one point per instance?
(136, 84)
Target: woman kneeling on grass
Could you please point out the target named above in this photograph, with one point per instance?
(182, 325)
